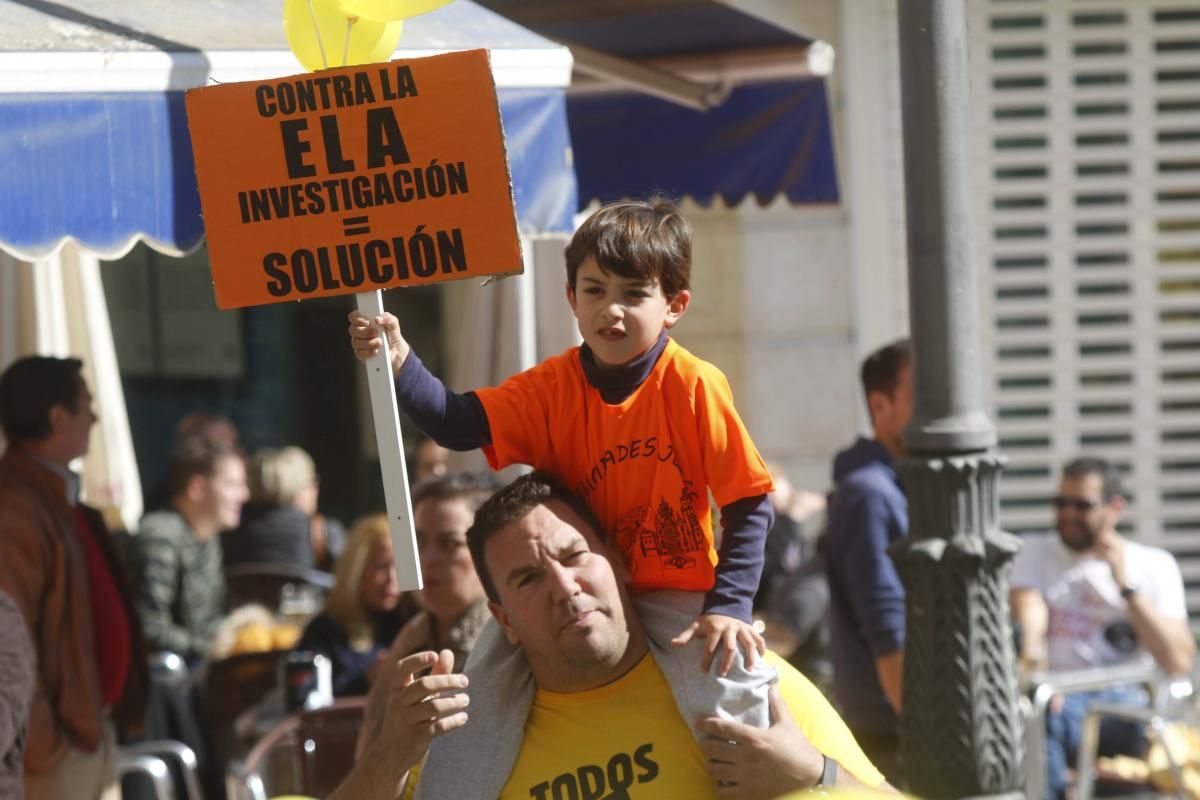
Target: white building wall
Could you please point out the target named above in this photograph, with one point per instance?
(1087, 136)
(772, 308)
(871, 165)
(1087, 126)
(788, 300)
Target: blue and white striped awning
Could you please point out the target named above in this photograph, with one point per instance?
(94, 144)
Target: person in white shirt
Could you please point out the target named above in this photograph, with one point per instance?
(1086, 597)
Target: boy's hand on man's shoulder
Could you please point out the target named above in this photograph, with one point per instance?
(366, 341)
(720, 631)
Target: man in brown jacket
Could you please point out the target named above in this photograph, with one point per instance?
(58, 564)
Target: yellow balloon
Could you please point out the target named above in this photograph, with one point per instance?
(391, 9)
(321, 35)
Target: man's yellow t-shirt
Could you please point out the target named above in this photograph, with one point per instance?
(628, 740)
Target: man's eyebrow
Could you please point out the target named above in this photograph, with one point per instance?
(571, 545)
(575, 542)
(520, 572)
(437, 532)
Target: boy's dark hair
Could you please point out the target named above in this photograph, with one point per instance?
(30, 387)
(1110, 478)
(647, 240)
(196, 456)
(473, 488)
(512, 503)
(881, 370)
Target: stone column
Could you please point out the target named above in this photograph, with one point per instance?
(960, 726)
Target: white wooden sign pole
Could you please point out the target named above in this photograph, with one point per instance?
(391, 452)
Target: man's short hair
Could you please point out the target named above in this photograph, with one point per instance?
(881, 370)
(277, 476)
(204, 425)
(196, 456)
(473, 488)
(647, 240)
(1110, 478)
(513, 503)
(30, 387)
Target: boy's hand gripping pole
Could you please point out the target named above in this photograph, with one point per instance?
(391, 452)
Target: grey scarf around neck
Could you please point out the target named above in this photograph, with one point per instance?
(474, 761)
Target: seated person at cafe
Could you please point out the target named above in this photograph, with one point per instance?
(363, 611)
(281, 523)
(176, 554)
(1087, 597)
(454, 606)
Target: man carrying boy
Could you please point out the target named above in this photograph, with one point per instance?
(603, 721)
(636, 426)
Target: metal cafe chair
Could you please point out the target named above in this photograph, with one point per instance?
(165, 750)
(1173, 703)
(150, 766)
(231, 686)
(1039, 688)
(309, 753)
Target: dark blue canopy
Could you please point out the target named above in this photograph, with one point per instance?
(766, 139)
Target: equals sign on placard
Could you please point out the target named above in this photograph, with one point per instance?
(355, 226)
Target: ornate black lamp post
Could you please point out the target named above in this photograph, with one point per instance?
(960, 728)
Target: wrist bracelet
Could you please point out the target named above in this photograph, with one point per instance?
(828, 774)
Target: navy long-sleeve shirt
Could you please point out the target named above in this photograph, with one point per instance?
(867, 512)
(459, 422)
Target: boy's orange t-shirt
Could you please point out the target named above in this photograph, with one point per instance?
(644, 466)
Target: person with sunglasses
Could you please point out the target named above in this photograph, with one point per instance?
(1085, 597)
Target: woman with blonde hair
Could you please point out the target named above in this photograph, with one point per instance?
(363, 612)
(454, 600)
(281, 523)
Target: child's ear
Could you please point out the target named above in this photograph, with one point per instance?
(676, 305)
(571, 295)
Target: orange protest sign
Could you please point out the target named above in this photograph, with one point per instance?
(354, 179)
